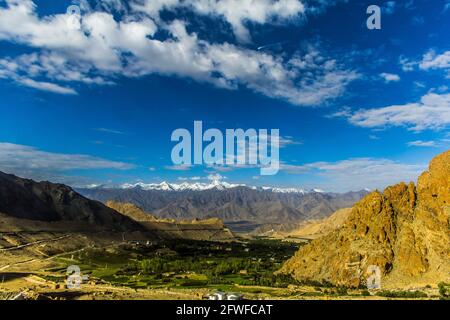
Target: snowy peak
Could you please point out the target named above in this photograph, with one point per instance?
(281, 190)
(213, 185)
(198, 186)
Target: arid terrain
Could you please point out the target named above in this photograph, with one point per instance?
(122, 252)
(403, 231)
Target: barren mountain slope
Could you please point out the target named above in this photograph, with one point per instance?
(44, 201)
(313, 229)
(209, 229)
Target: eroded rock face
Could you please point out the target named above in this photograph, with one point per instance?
(404, 231)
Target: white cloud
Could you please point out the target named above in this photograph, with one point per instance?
(16, 158)
(431, 112)
(406, 64)
(419, 84)
(215, 177)
(103, 49)
(358, 173)
(390, 77)
(236, 12)
(420, 143)
(433, 61)
(430, 61)
(23, 68)
(195, 178)
(106, 130)
(288, 141)
(181, 167)
(46, 86)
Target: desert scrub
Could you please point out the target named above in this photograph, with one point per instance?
(402, 294)
(365, 293)
(341, 291)
(444, 291)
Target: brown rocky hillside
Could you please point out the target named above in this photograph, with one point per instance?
(313, 229)
(208, 229)
(404, 231)
(131, 211)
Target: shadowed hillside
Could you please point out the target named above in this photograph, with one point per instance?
(49, 202)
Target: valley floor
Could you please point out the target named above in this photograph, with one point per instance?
(33, 265)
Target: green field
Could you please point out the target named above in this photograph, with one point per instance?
(187, 264)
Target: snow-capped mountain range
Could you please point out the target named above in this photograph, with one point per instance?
(227, 201)
(215, 184)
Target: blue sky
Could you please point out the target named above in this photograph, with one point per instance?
(94, 98)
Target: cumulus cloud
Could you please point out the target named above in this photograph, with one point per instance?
(98, 48)
(236, 12)
(390, 77)
(431, 112)
(431, 60)
(358, 173)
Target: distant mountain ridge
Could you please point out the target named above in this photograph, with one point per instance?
(200, 186)
(239, 203)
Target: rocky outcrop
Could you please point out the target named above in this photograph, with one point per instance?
(208, 229)
(132, 211)
(313, 229)
(403, 231)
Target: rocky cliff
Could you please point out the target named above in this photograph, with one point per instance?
(404, 231)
